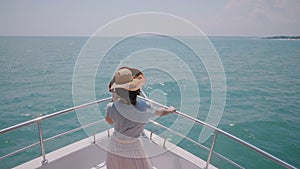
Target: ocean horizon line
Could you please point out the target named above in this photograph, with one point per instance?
(186, 36)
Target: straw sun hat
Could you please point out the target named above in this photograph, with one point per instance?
(127, 78)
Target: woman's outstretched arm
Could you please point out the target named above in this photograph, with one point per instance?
(163, 112)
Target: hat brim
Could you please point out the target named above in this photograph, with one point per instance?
(134, 85)
(137, 82)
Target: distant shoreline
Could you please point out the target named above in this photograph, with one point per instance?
(282, 37)
(209, 36)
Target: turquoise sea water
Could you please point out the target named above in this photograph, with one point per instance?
(262, 104)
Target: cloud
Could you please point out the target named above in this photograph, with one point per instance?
(275, 11)
(225, 17)
(260, 17)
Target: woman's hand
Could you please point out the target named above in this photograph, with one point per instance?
(163, 111)
(109, 120)
(171, 109)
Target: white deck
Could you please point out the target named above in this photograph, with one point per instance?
(86, 155)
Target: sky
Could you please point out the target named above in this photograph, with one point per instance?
(213, 17)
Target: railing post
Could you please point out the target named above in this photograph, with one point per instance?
(165, 140)
(211, 149)
(152, 134)
(44, 161)
(108, 133)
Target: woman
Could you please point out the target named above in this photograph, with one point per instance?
(129, 116)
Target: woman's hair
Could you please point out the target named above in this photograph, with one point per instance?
(128, 96)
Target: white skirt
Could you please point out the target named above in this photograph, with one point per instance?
(126, 153)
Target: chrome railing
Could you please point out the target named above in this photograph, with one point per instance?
(196, 143)
(38, 120)
(217, 131)
(232, 137)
